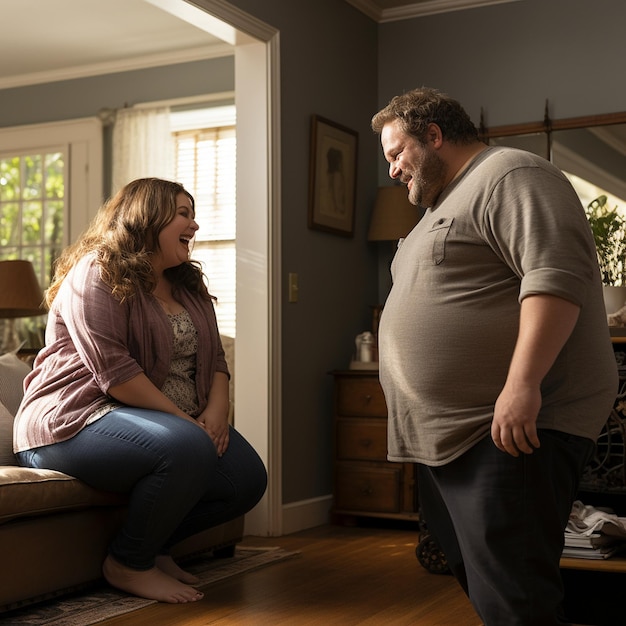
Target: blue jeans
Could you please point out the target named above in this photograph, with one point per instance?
(177, 484)
(500, 519)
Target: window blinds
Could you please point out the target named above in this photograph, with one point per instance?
(205, 165)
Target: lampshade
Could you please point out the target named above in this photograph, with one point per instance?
(393, 216)
(20, 293)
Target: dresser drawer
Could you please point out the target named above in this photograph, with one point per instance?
(365, 483)
(361, 439)
(361, 396)
(363, 488)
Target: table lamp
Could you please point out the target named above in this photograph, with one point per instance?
(20, 296)
(392, 219)
(393, 216)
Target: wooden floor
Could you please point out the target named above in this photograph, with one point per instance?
(341, 576)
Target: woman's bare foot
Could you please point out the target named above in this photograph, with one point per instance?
(153, 584)
(167, 564)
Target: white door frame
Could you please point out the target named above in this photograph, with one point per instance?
(257, 348)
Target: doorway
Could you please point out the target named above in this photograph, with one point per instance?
(257, 349)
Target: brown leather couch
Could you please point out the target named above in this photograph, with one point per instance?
(54, 529)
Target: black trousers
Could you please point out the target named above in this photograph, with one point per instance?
(500, 519)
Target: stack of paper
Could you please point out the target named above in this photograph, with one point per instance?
(594, 546)
(593, 533)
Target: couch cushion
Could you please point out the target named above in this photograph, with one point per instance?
(12, 373)
(26, 492)
(6, 437)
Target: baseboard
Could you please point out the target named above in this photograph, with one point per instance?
(306, 514)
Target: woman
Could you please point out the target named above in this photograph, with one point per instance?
(130, 393)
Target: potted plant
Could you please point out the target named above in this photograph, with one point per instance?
(609, 232)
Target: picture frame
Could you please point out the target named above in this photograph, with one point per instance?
(332, 177)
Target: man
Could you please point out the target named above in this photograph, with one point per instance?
(495, 355)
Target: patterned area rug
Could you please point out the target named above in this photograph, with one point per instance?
(104, 602)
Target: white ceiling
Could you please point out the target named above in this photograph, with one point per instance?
(77, 38)
(45, 40)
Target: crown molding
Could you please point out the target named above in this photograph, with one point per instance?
(418, 9)
(120, 65)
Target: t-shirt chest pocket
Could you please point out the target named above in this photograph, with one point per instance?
(439, 233)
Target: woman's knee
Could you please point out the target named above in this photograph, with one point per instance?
(169, 443)
(247, 471)
(256, 483)
(192, 450)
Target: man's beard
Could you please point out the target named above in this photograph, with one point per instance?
(427, 181)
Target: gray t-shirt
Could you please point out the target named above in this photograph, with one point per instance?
(510, 226)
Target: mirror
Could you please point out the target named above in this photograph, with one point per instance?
(591, 151)
(597, 155)
(531, 142)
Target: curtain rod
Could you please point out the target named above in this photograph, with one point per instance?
(107, 115)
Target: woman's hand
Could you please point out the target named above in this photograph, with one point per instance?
(217, 428)
(214, 418)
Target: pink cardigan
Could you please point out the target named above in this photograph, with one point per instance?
(94, 342)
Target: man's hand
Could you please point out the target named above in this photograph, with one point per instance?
(546, 322)
(514, 429)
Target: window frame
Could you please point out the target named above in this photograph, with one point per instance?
(83, 144)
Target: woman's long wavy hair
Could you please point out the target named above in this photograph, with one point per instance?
(123, 237)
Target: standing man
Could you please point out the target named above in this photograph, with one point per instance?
(495, 355)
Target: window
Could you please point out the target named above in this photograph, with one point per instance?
(45, 169)
(32, 218)
(588, 192)
(205, 144)
(33, 209)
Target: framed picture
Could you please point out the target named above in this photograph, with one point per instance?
(332, 177)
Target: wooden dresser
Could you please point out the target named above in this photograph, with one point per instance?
(365, 483)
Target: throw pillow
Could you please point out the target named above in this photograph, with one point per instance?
(12, 373)
(6, 437)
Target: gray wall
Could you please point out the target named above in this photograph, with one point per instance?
(328, 68)
(509, 58)
(84, 97)
(337, 63)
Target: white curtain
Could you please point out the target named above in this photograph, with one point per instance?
(142, 145)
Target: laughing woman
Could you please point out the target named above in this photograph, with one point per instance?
(130, 393)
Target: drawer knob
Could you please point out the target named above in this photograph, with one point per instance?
(365, 443)
(368, 399)
(367, 491)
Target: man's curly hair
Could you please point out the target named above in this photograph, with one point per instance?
(418, 108)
